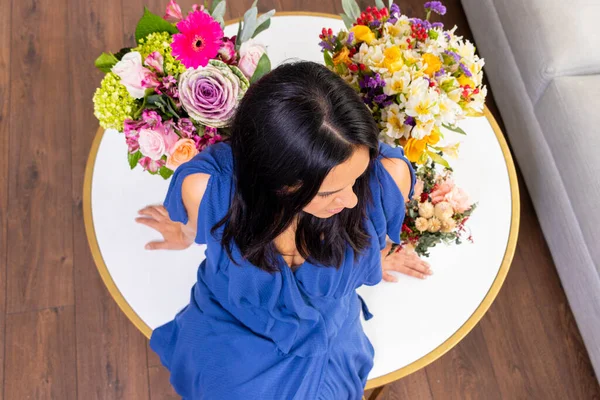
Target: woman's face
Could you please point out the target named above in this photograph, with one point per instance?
(336, 192)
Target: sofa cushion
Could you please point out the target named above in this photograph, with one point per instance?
(569, 115)
(551, 38)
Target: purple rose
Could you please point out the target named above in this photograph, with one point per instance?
(210, 94)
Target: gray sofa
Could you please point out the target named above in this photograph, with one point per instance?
(543, 65)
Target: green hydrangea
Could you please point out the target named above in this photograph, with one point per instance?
(112, 103)
(161, 42)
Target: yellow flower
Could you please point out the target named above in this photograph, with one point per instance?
(342, 57)
(463, 80)
(433, 137)
(415, 150)
(433, 63)
(393, 59)
(363, 33)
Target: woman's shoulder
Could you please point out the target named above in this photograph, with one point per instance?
(214, 159)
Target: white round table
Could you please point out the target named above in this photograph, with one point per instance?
(415, 321)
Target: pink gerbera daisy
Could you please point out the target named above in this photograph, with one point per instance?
(199, 41)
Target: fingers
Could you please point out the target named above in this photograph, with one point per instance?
(389, 277)
(152, 223)
(156, 246)
(418, 265)
(152, 211)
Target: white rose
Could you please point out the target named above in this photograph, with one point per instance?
(250, 54)
(132, 73)
(152, 144)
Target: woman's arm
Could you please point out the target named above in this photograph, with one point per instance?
(177, 236)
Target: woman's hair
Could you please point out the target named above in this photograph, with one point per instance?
(290, 129)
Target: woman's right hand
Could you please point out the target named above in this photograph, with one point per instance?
(174, 234)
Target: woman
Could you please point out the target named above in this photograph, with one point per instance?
(295, 210)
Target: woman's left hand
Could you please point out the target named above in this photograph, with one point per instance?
(405, 261)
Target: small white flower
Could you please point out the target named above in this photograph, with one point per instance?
(397, 83)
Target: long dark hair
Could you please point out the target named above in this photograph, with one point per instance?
(290, 129)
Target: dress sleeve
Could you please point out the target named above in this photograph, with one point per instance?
(388, 209)
(216, 199)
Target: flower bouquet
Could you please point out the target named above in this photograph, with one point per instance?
(175, 92)
(415, 78)
(413, 75)
(437, 212)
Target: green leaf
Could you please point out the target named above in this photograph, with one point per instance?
(105, 62)
(379, 4)
(328, 59)
(122, 52)
(263, 22)
(134, 158)
(263, 67)
(347, 21)
(165, 172)
(151, 23)
(390, 4)
(351, 8)
(213, 6)
(438, 159)
(454, 129)
(237, 36)
(219, 12)
(249, 24)
(262, 27)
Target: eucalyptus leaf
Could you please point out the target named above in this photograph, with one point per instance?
(390, 4)
(262, 68)
(151, 23)
(264, 17)
(454, 129)
(105, 62)
(237, 36)
(262, 27)
(347, 21)
(219, 12)
(379, 4)
(213, 6)
(249, 24)
(351, 9)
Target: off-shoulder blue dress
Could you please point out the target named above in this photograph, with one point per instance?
(252, 335)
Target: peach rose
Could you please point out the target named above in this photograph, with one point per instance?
(459, 200)
(443, 188)
(183, 151)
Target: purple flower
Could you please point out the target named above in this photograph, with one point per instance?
(452, 54)
(350, 39)
(424, 23)
(437, 25)
(409, 121)
(151, 118)
(210, 94)
(394, 14)
(435, 6)
(447, 35)
(327, 41)
(441, 72)
(465, 70)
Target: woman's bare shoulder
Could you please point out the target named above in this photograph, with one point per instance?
(398, 169)
(192, 191)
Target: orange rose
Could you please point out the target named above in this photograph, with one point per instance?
(183, 151)
(342, 57)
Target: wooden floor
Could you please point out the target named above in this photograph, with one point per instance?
(63, 337)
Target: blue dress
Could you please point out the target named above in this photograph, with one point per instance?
(249, 334)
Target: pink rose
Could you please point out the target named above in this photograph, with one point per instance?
(155, 60)
(441, 191)
(250, 54)
(227, 51)
(132, 73)
(152, 143)
(459, 200)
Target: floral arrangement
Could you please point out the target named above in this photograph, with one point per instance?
(413, 75)
(415, 78)
(175, 92)
(437, 212)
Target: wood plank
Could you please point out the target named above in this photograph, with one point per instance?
(413, 386)
(160, 387)
(40, 355)
(111, 354)
(40, 247)
(5, 29)
(465, 372)
(153, 358)
(517, 340)
(569, 355)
